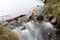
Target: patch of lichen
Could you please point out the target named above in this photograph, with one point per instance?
(7, 34)
(53, 7)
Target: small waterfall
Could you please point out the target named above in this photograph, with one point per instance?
(34, 30)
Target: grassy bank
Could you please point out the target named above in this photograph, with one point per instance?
(53, 7)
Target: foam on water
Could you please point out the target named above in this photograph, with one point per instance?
(35, 30)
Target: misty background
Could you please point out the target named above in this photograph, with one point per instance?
(13, 8)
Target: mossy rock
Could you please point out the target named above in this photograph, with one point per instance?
(53, 7)
(7, 34)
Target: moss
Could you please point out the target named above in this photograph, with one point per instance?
(53, 7)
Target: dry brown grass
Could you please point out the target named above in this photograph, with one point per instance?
(7, 34)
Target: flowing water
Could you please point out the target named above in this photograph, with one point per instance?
(34, 30)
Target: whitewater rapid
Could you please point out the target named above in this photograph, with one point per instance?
(34, 30)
